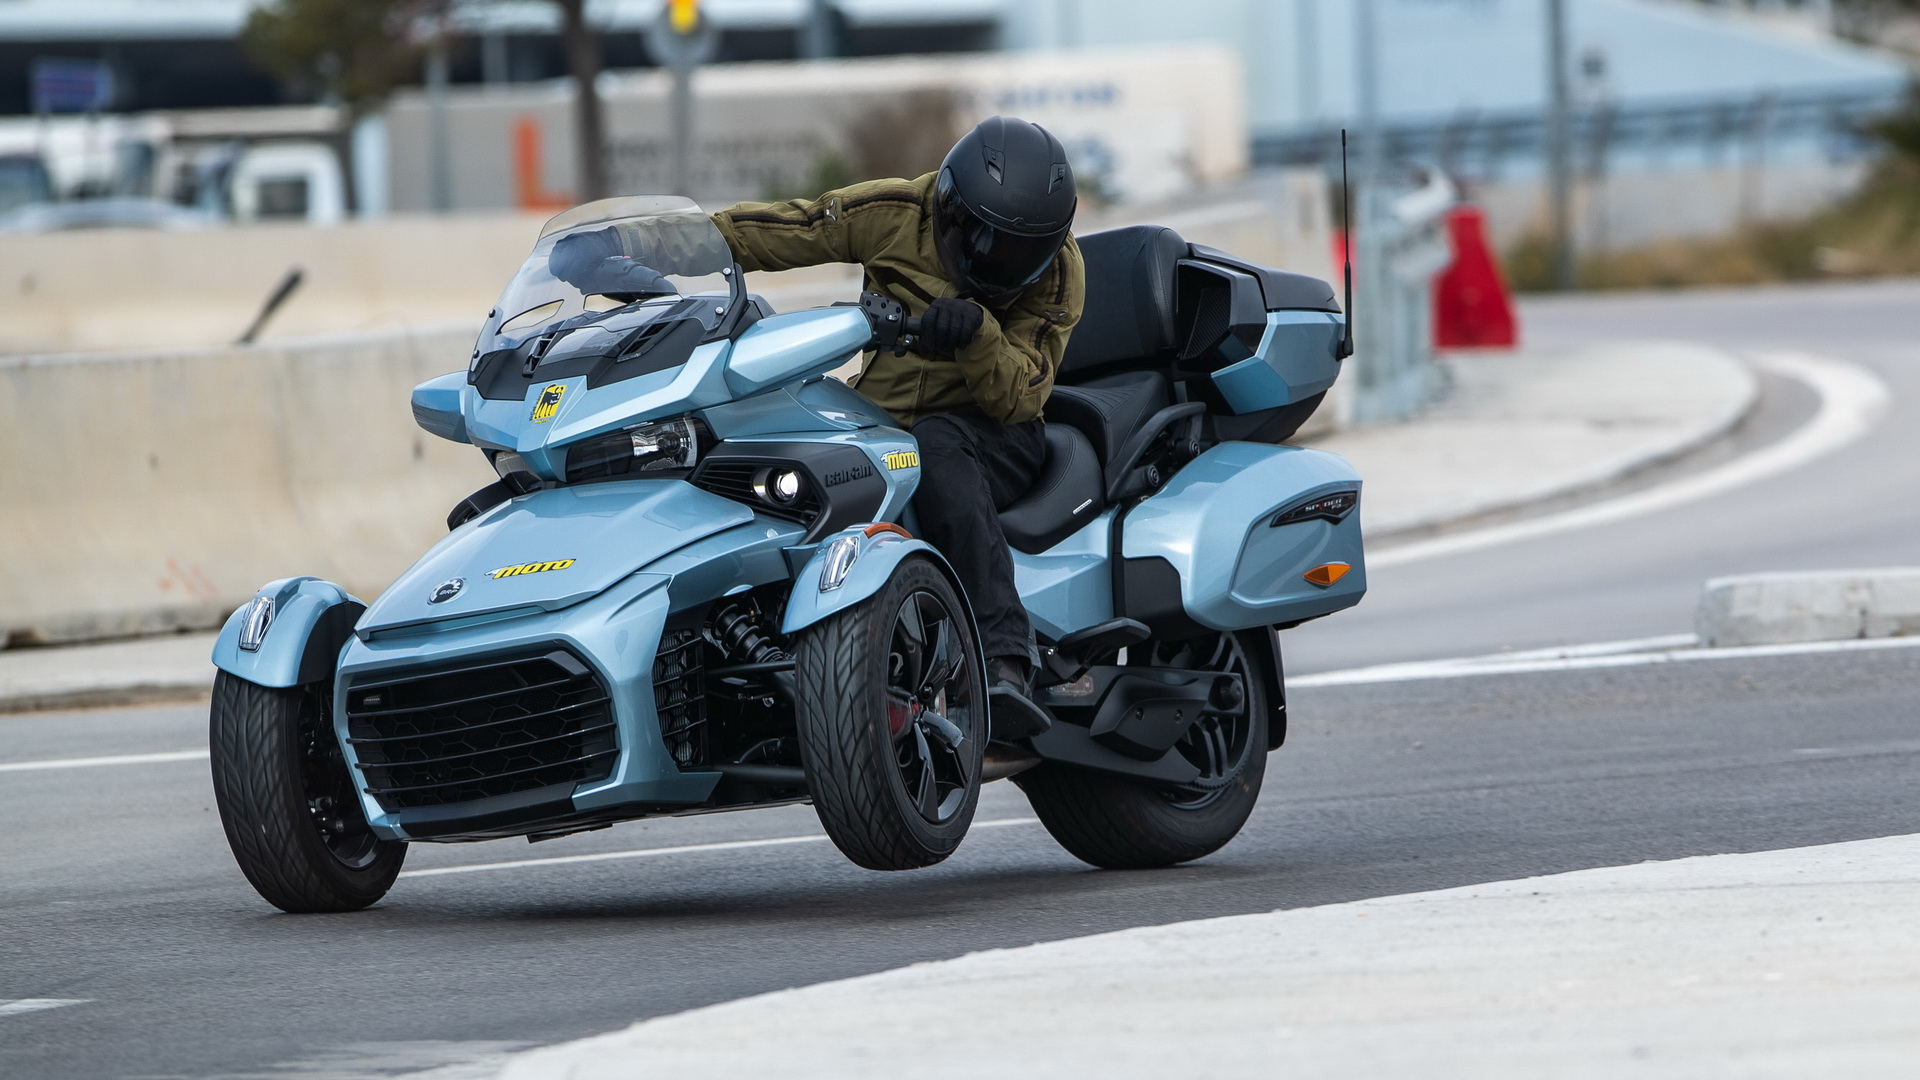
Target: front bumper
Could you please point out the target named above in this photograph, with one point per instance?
(440, 779)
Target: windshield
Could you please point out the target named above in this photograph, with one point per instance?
(607, 255)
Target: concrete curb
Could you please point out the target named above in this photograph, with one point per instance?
(1819, 605)
(109, 697)
(1584, 417)
(171, 670)
(1771, 964)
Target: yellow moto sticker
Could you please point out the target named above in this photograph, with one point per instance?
(529, 568)
(548, 406)
(902, 459)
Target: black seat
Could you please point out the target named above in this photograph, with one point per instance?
(1130, 312)
(1097, 403)
(1109, 410)
(1068, 493)
(1130, 317)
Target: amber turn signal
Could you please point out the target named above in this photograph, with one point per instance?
(1328, 574)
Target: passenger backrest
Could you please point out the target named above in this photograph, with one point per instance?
(1131, 307)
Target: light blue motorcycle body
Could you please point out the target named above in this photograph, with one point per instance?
(586, 582)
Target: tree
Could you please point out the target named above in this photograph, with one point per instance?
(357, 51)
(352, 51)
(582, 47)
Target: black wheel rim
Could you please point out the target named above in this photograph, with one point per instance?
(1220, 742)
(327, 786)
(930, 716)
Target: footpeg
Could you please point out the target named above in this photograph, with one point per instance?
(1014, 715)
(1076, 652)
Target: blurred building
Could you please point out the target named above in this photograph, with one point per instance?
(1735, 110)
(1441, 58)
(1445, 62)
(178, 54)
(1687, 118)
(1142, 125)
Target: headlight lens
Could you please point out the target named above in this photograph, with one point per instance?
(779, 486)
(253, 627)
(839, 560)
(506, 463)
(665, 444)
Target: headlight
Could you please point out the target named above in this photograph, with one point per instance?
(665, 444)
(839, 560)
(253, 628)
(506, 463)
(781, 487)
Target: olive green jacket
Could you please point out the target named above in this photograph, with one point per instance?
(886, 227)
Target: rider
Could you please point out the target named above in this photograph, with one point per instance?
(980, 250)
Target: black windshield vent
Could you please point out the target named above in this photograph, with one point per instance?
(476, 732)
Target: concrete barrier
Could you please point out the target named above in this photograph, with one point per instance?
(152, 492)
(103, 290)
(141, 289)
(1821, 605)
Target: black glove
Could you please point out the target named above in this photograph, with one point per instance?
(948, 325)
(596, 262)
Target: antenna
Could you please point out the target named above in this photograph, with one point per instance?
(1345, 348)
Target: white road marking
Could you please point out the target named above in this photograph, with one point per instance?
(94, 762)
(1598, 648)
(11, 1007)
(1617, 654)
(646, 853)
(1852, 400)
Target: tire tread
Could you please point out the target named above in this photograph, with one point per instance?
(251, 734)
(850, 793)
(1122, 824)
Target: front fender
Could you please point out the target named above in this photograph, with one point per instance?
(312, 619)
(878, 556)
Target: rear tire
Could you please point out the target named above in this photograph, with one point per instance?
(288, 803)
(884, 686)
(1122, 824)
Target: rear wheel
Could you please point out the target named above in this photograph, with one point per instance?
(892, 718)
(1118, 823)
(288, 803)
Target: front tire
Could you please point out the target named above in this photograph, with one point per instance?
(892, 717)
(288, 804)
(1121, 824)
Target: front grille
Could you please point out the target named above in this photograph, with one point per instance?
(731, 478)
(680, 697)
(475, 732)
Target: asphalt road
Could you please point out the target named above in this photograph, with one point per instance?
(116, 888)
(1641, 577)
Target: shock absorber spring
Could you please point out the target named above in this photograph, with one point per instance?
(740, 637)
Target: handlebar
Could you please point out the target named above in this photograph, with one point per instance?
(893, 328)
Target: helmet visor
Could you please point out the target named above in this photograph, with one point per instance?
(987, 258)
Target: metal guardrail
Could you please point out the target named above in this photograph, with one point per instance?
(1477, 143)
(1400, 246)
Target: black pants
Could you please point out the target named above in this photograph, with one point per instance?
(970, 469)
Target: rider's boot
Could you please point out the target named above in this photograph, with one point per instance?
(1010, 700)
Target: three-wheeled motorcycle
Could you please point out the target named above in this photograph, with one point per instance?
(696, 585)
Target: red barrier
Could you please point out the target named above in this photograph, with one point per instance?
(529, 193)
(1471, 305)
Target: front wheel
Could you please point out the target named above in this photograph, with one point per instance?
(892, 718)
(1119, 824)
(288, 802)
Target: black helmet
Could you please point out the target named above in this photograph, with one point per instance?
(1002, 206)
